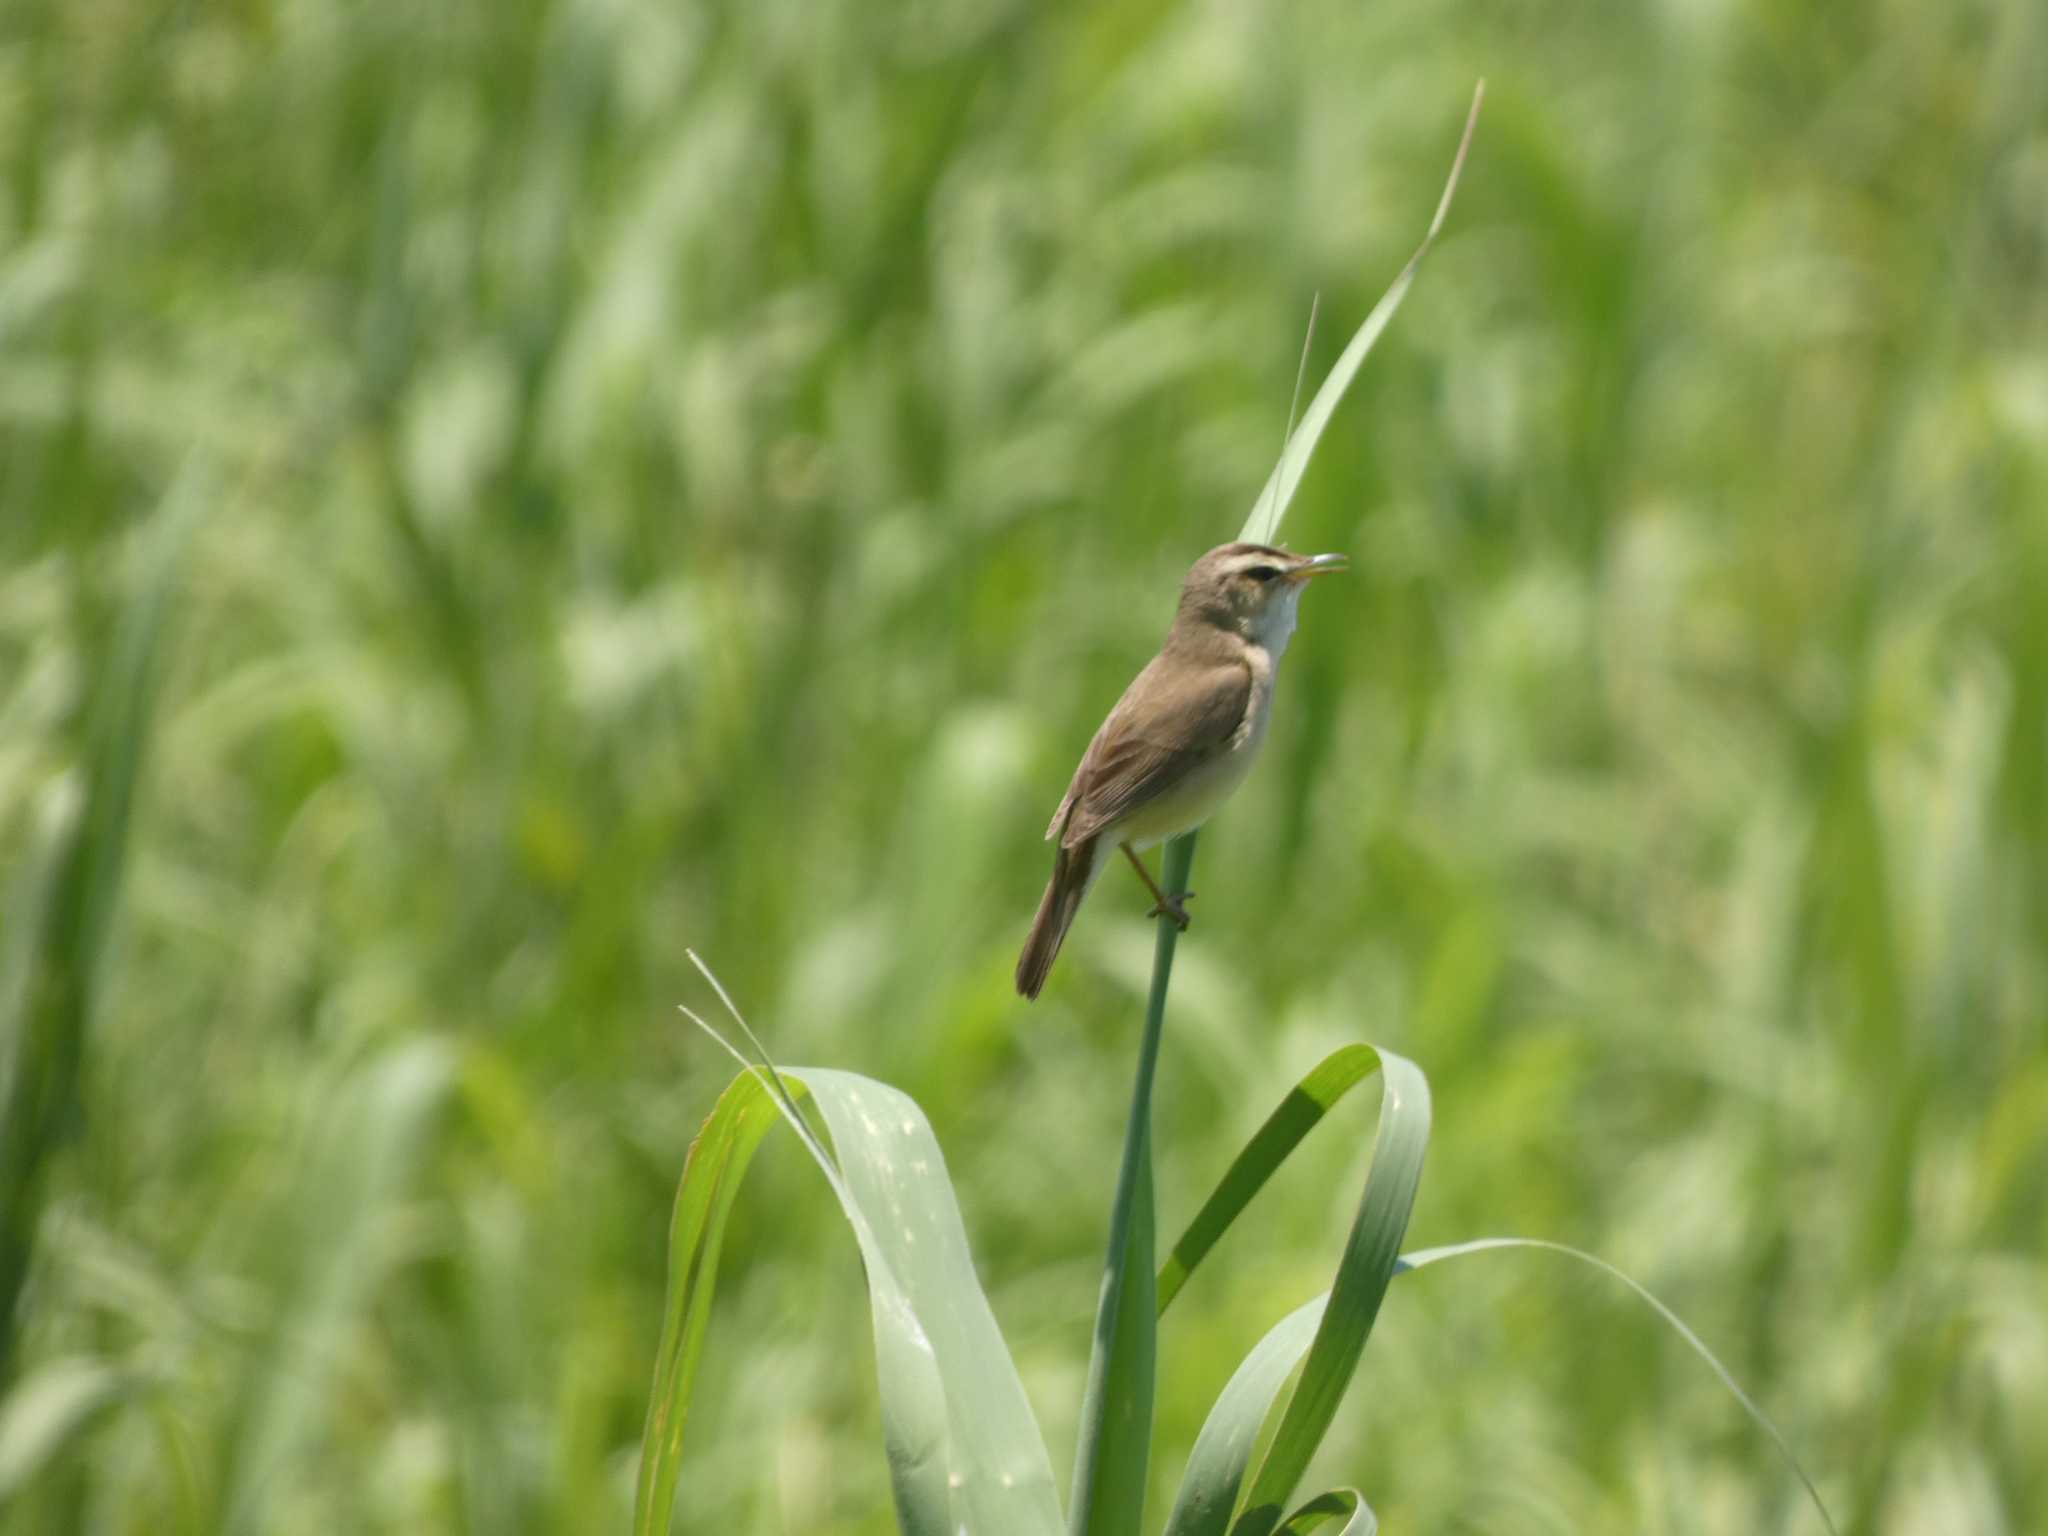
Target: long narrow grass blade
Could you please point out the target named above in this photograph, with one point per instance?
(712, 1172)
(964, 1451)
(1299, 1113)
(1308, 342)
(1270, 506)
(69, 896)
(1370, 1254)
(1678, 1325)
(338, 1247)
(1116, 1409)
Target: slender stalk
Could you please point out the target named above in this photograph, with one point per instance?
(1116, 1411)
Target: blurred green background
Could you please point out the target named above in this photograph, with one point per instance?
(522, 488)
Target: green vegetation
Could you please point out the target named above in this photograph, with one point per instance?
(965, 1453)
(518, 490)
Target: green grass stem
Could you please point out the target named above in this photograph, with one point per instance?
(1112, 1459)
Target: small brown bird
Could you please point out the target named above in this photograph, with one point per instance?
(1181, 738)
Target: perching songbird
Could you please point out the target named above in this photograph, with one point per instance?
(1181, 738)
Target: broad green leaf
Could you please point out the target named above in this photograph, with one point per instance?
(964, 1451)
(1331, 1330)
(1263, 525)
(1115, 1444)
(929, 1310)
(1678, 1325)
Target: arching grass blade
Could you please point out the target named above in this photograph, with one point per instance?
(1678, 1325)
(1363, 1274)
(1331, 1333)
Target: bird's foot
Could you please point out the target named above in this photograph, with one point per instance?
(1174, 910)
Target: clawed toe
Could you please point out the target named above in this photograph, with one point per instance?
(1176, 910)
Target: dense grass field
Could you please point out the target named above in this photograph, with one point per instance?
(491, 495)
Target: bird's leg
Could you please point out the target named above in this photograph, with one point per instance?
(1164, 906)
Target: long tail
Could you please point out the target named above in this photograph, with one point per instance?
(1073, 871)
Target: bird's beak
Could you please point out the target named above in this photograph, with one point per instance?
(1319, 565)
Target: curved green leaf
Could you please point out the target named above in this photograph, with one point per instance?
(1678, 1324)
(1299, 1113)
(929, 1309)
(1216, 1466)
(1345, 1504)
(964, 1450)
(712, 1172)
(1363, 1274)
(1331, 1330)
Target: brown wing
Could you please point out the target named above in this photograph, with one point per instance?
(1168, 720)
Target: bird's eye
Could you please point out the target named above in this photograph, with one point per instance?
(1263, 574)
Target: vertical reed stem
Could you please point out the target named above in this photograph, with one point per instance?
(1116, 1411)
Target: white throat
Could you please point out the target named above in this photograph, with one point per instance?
(1274, 625)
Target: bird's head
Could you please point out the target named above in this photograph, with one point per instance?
(1251, 590)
